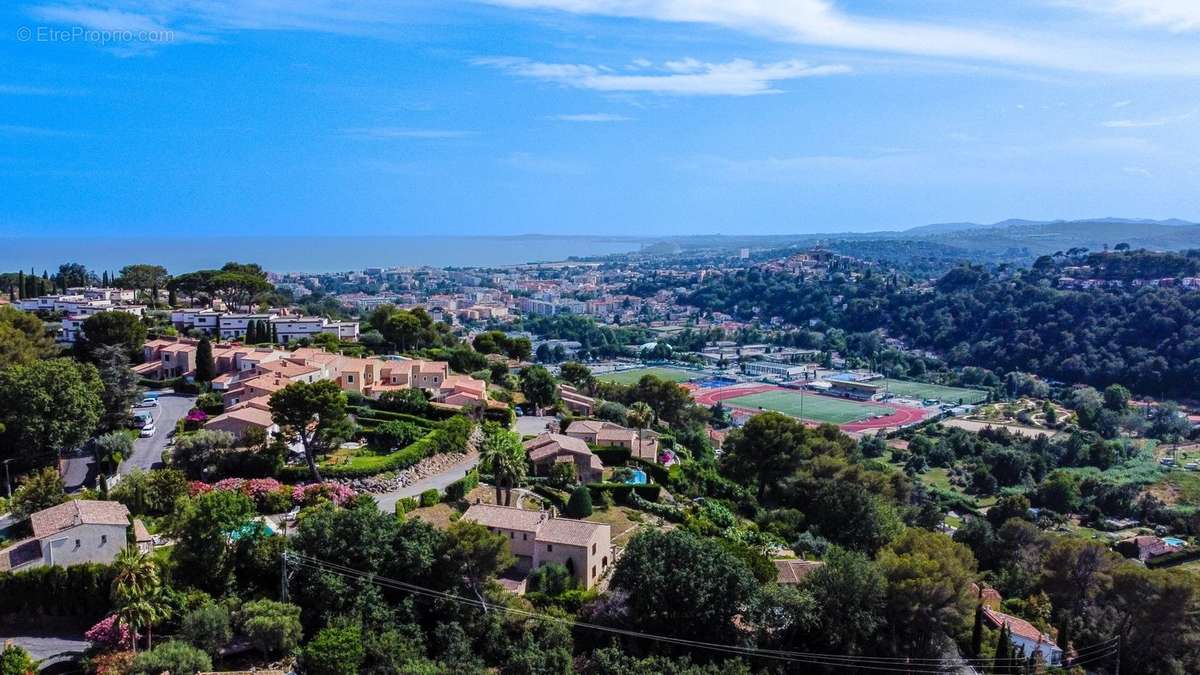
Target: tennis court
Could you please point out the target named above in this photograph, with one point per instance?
(924, 390)
(632, 375)
(812, 407)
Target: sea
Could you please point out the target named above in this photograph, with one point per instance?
(286, 253)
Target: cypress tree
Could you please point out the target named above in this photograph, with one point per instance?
(251, 331)
(12, 293)
(206, 369)
(274, 334)
(104, 279)
(21, 283)
(1003, 649)
(977, 632)
(171, 296)
(580, 504)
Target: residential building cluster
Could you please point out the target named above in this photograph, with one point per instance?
(248, 375)
(284, 326)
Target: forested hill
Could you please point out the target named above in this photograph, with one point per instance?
(1146, 338)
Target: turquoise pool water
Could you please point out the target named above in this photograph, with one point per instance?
(1174, 541)
(638, 477)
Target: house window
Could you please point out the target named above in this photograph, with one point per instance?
(103, 539)
(593, 549)
(593, 571)
(524, 536)
(512, 535)
(549, 547)
(78, 543)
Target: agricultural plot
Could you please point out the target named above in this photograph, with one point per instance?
(634, 374)
(923, 390)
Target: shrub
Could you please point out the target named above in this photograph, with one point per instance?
(551, 579)
(78, 590)
(112, 663)
(405, 505)
(207, 628)
(273, 627)
(14, 660)
(334, 651)
(109, 633)
(37, 491)
(394, 434)
(171, 657)
(360, 467)
(429, 497)
(459, 489)
(580, 504)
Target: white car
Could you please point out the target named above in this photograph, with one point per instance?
(147, 431)
(148, 403)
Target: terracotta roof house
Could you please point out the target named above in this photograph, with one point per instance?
(1145, 547)
(249, 415)
(538, 538)
(793, 570)
(1025, 635)
(549, 449)
(599, 432)
(74, 532)
(576, 402)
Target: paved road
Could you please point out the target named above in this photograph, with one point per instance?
(387, 501)
(80, 470)
(48, 646)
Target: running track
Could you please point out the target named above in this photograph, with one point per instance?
(904, 415)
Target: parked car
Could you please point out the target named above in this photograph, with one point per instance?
(147, 431)
(148, 402)
(1192, 466)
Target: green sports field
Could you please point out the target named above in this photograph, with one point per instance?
(815, 408)
(633, 375)
(923, 390)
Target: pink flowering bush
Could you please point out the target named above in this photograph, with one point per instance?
(110, 633)
(307, 495)
(666, 457)
(229, 484)
(198, 487)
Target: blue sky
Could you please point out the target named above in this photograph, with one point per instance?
(178, 117)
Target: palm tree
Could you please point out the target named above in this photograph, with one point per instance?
(137, 592)
(640, 415)
(503, 456)
(144, 613)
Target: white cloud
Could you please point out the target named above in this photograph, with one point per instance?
(397, 133)
(1178, 16)
(1138, 171)
(590, 117)
(1147, 122)
(821, 23)
(739, 77)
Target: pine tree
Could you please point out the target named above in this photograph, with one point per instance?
(206, 369)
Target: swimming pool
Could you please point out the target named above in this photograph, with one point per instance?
(1174, 541)
(638, 478)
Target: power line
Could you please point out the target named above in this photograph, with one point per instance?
(1101, 650)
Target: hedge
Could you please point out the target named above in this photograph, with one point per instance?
(502, 416)
(430, 497)
(553, 496)
(376, 415)
(460, 488)
(361, 467)
(612, 455)
(620, 491)
(78, 591)
(1176, 558)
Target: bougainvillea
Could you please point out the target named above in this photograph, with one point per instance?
(229, 484)
(196, 415)
(110, 633)
(198, 487)
(307, 495)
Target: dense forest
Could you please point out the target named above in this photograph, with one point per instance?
(1147, 338)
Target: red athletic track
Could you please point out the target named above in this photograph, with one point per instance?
(904, 415)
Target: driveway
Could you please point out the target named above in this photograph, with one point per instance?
(387, 501)
(531, 425)
(48, 647)
(80, 469)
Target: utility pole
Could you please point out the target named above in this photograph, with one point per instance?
(283, 578)
(7, 479)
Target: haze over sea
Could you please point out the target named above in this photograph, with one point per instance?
(285, 253)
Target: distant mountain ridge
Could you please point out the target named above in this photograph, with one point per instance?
(942, 228)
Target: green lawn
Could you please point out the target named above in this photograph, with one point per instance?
(924, 390)
(814, 408)
(633, 375)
